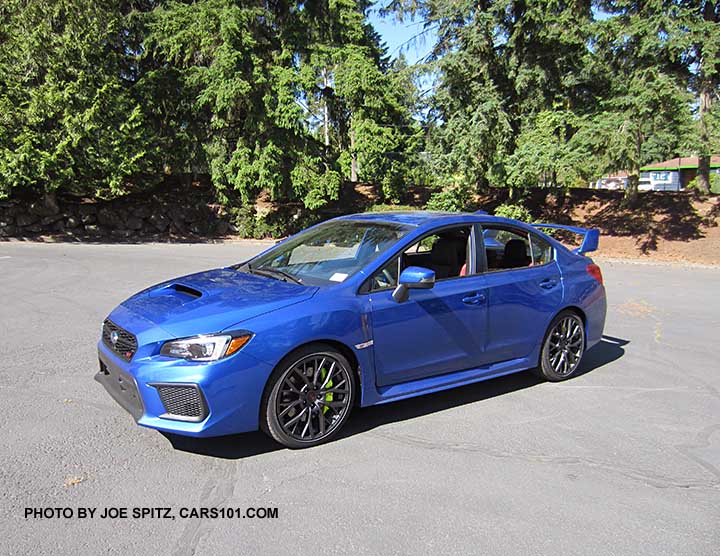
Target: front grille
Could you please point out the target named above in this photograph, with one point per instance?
(184, 402)
(125, 344)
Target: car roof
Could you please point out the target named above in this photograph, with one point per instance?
(419, 218)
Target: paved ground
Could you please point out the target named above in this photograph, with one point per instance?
(624, 459)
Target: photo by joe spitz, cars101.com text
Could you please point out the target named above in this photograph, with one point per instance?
(359, 310)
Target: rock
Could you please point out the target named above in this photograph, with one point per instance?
(199, 228)
(47, 220)
(88, 218)
(72, 222)
(59, 226)
(106, 217)
(34, 228)
(87, 209)
(142, 211)
(120, 215)
(122, 234)
(7, 231)
(177, 215)
(222, 227)
(160, 221)
(92, 229)
(194, 215)
(133, 223)
(47, 207)
(26, 219)
(6, 220)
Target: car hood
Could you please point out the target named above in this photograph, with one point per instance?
(209, 302)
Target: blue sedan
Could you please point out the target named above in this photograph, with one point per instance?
(359, 310)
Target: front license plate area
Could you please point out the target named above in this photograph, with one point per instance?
(122, 387)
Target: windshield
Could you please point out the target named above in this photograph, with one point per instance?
(328, 253)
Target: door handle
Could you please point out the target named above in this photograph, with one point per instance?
(474, 299)
(548, 283)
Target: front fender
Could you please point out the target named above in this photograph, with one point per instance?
(334, 316)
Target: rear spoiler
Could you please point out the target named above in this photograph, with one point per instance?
(590, 237)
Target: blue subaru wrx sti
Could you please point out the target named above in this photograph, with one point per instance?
(363, 309)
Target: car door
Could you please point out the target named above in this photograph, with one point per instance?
(436, 331)
(524, 291)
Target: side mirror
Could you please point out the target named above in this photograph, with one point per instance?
(413, 278)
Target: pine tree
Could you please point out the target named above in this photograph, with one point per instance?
(70, 118)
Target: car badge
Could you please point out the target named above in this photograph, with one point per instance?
(114, 337)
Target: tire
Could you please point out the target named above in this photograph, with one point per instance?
(308, 397)
(563, 347)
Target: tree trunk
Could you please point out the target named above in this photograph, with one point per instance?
(353, 156)
(706, 89)
(703, 175)
(326, 109)
(631, 193)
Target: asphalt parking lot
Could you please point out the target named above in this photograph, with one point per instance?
(624, 459)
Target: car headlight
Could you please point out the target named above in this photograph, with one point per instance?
(205, 348)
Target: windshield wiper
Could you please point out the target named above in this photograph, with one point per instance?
(274, 273)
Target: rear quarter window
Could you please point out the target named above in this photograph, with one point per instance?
(542, 250)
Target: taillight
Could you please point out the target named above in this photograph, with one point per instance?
(594, 271)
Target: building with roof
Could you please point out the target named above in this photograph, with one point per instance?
(673, 174)
(668, 175)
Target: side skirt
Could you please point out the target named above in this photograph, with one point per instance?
(444, 382)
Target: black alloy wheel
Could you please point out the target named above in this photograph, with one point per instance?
(309, 397)
(563, 347)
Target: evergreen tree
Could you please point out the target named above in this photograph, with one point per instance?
(69, 116)
(502, 63)
(645, 115)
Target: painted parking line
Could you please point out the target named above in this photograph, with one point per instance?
(6, 257)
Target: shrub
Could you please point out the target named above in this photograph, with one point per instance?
(243, 218)
(454, 199)
(516, 212)
(714, 183)
(390, 208)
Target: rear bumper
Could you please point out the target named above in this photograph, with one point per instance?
(230, 390)
(595, 311)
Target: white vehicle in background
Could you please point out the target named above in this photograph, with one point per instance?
(614, 184)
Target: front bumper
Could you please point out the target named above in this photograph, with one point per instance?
(231, 390)
(122, 388)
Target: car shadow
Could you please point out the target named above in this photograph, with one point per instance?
(364, 419)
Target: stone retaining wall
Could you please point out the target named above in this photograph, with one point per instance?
(132, 217)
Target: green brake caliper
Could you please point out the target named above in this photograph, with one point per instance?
(328, 397)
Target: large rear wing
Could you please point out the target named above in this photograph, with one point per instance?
(590, 237)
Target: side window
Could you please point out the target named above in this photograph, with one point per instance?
(445, 252)
(424, 245)
(506, 249)
(387, 276)
(542, 251)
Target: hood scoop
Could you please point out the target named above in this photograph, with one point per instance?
(180, 291)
